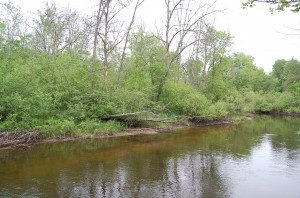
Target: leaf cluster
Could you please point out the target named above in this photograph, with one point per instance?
(276, 5)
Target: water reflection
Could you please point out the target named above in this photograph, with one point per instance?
(259, 158)
(182, 176)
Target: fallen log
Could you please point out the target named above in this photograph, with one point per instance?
(163, 119)
(136, 119)
(132, 119)
(123, 116)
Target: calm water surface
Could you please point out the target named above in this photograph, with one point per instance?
(259, 158)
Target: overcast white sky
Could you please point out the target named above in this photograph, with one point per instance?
(256, 31)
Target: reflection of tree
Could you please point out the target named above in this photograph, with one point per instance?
(153, 174)
(285, 141)
(214, 185)
(285, 134)
(196, 174)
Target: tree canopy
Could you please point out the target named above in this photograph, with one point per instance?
(278, 5)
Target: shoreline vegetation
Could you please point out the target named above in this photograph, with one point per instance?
(27, 139)
(67, 75)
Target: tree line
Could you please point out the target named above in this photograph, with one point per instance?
(63, 72)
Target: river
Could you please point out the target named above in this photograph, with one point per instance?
(257, 158)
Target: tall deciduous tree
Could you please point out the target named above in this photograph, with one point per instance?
(106, 25)
(279, 72)
(57, 30)
(148, 53)
(49, 30)
(109, 33)
(128, 31)
(12, 22)
(181, 20)
(214, 45)
(76, 37)
(292, 82)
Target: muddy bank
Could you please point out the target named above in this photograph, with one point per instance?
(26, 139)
(277, 113)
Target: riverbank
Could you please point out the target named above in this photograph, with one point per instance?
(278, 113)
(26, 139)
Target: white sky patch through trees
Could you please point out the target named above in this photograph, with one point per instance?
(256, 31)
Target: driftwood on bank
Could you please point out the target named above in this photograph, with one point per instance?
(18, 139)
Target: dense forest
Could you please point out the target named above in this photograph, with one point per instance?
(62, 72)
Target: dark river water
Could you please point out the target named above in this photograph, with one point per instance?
(258, 158)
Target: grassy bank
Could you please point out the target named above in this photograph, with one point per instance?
(23, 135)
(57, 128)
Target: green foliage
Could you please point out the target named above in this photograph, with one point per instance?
(183, 99)
(216, 46)
(287, 74)
(278, 102)
(218, 83)
(218, 110)
(247, 76)
(292, 82)
(147, 61)
(194, 72)
(279, 72)
(94, 127)
(242, 60)
(55, 127)
(278, 5)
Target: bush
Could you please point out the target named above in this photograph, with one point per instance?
(181, 98)
(289, 102)
(275, 101)
(218, 110)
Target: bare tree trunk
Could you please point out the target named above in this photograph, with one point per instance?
(167, 42)
(96, 32)
(182, 18)
(109, 33)
(138, 3)
(105, 43)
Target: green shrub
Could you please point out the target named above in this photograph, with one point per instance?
(182, 98)
(265, 102)
(218, 110)
(276, 101)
